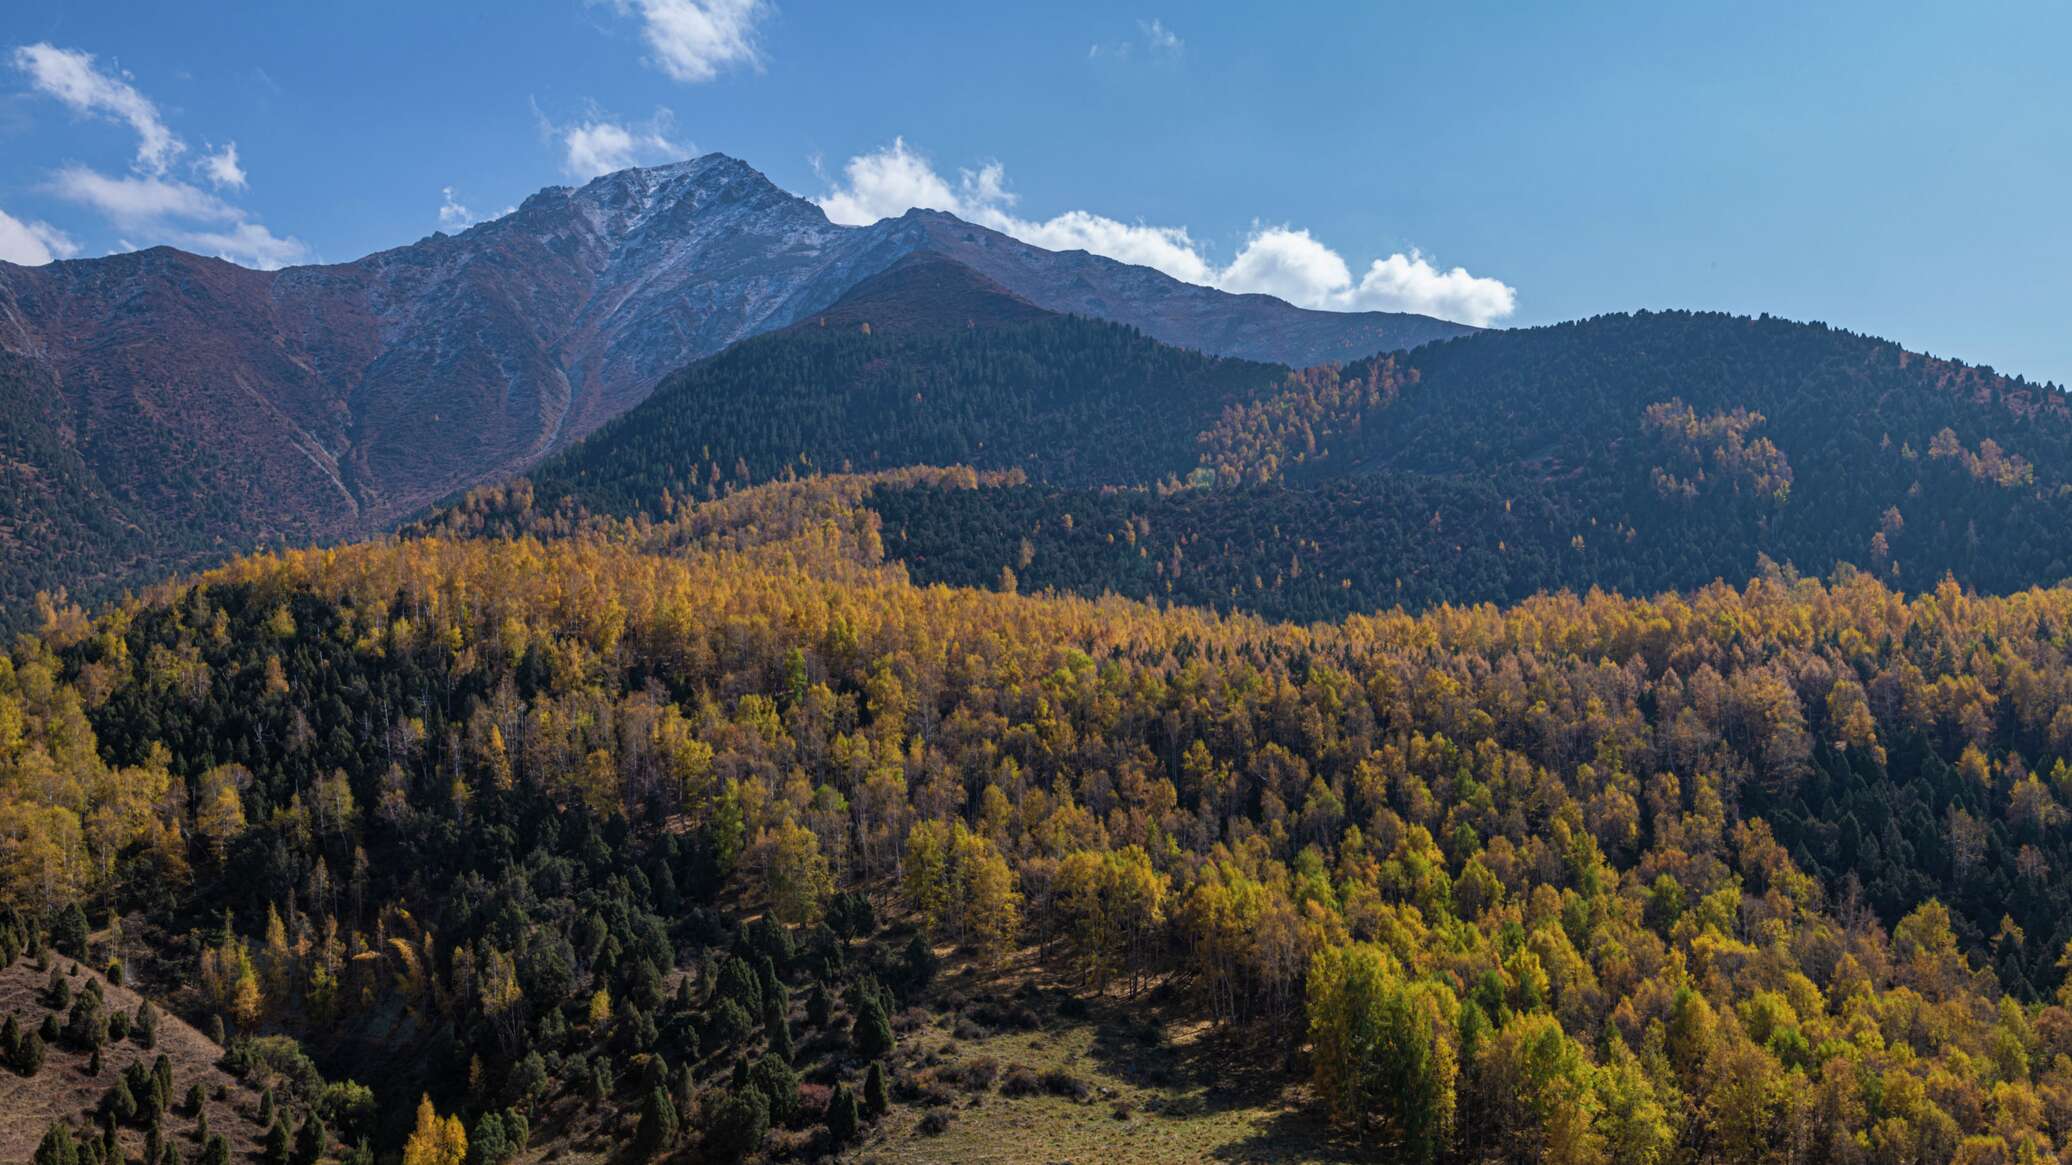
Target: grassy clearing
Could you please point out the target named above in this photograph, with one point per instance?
(1153, 1084)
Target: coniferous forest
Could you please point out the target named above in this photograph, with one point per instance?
(1641, 740)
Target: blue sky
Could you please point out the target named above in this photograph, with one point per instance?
(1896, 168)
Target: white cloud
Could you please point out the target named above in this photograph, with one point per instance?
(70, 76)
(176, 212)
(1287, 263)
(32, 244)
(893, 180)
(1292, 264)
(600, 145)
(1280, 261)
(133, 202)
(149, 205)
(248, 243)
(693, 40)
(1169, 249)
(221, 169)
(1413, 283)
(454, 214)
(1161, 39)
(887, 184)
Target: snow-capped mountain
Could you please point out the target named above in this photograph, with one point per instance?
(172, 407)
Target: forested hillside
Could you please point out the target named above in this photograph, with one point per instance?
(1358, 543)
(1059, 397)
(1702, 440)
(1636, 453)
(628, 834)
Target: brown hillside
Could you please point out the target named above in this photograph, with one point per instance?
(63, 1090)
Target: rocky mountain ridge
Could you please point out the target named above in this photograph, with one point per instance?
(187, 407)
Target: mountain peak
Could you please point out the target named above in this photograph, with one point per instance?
(713, 165)
(697, 198)
(700, 164)
(704, 172)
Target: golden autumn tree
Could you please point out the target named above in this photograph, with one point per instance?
(799, 882)
(436, 1140)
(992, 903)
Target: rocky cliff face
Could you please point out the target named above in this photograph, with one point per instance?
(213, 408)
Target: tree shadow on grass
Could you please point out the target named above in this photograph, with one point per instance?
(1216, 1071)
(1292, 1134)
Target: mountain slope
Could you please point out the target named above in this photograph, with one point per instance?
(1638, 453)
(897, 373)
(1701, 441)
(59, 525)
(220, 407)
(61, 1089)
(925, 291)
(203, 407)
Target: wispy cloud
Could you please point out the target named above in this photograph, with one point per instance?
(695, 40)
(33, 244)
(244, 242)
(71, 76)
(1275, 260)
(178, 213)
(1154, 40)
(149, 203)
(134, 202)
(1160, 39)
